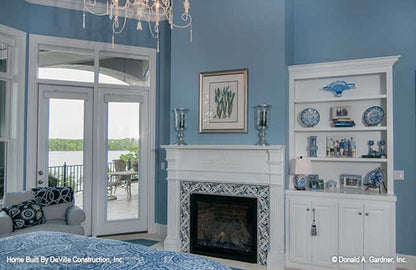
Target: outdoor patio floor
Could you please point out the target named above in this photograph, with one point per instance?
(123, 207)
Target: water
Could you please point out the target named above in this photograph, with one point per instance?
(57, 158)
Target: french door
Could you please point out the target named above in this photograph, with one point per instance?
(65, 120)
(96, 140)
(121, 189)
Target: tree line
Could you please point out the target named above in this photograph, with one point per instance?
(78, 145)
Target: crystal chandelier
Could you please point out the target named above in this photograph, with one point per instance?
(141, 10)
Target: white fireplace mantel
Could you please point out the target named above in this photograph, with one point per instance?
(228, 164)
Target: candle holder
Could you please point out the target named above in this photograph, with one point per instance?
(180, 124)
(262, 122)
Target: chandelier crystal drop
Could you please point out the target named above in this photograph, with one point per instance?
(141, 10)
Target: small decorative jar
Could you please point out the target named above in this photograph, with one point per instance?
(331, 184)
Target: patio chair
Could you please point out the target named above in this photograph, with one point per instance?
(118, 180)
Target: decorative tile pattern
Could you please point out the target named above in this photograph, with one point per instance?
(262, 193)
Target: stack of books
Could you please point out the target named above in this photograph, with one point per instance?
(343, 123)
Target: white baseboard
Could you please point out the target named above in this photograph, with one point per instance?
(411, 262)
(162, 230)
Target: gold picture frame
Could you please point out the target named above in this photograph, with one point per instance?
(223, 101)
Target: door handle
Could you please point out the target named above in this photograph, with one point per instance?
(40, 172)
(40, 182)
(359, 213)
(367, 214)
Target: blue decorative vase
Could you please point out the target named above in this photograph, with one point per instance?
(313, 148)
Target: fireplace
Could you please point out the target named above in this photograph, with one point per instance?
(239, 171)
(224, 226)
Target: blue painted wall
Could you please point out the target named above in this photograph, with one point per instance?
(44, 20)
(232, 34)
(236, 34)
(327, 30)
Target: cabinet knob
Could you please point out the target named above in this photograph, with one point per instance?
(367, 214)
(307, 209)
(359, 213)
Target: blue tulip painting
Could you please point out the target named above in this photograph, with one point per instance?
(224, 99)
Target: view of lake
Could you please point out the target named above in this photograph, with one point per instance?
(57, 158)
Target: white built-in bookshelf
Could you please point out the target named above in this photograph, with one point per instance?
(373, 80)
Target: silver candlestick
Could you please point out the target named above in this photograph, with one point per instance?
(262, 122)
(180, 124)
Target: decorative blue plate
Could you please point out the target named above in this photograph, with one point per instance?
(309, 117)
(373, 116)
(338, 87)
(374, 179)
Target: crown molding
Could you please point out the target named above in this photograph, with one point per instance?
(343, 68)
(79, 5)
(68, 4)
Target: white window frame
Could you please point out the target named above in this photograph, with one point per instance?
(15, 77)
(33, 81)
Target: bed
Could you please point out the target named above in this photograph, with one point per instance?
(54, 250)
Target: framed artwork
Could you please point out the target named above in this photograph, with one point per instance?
(223, 101)
(341, 112)
(350, 181)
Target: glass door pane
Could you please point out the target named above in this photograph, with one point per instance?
(66, 145)
(123, 160)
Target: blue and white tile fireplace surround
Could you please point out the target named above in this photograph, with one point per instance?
(228, 170)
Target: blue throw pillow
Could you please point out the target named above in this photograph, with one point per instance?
(25, 214)
(53, 195)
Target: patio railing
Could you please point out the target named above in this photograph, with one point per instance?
(69, 176)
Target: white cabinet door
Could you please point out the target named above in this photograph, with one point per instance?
(325, 243)
(299, 231)
(351, 233)
(378, 230)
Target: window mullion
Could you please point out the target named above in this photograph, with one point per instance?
(96, 66)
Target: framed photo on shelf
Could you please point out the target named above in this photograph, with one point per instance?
(341, 146)
(350, 181)
(312, 177)
(343, 112)
(317, 184)
(223, 101)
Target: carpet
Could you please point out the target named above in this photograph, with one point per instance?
(143, 242)
(149, 243)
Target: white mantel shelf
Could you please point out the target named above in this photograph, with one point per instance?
(230, 165)
(245, 164)
(224, 147)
